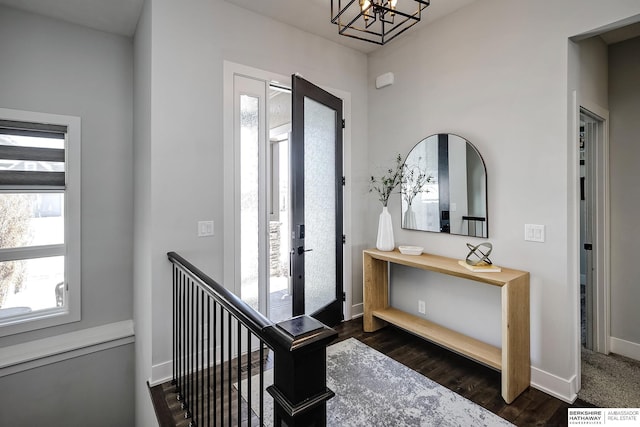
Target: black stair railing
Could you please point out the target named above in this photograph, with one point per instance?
(219, 341)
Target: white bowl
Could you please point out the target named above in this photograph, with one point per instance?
(411, 250)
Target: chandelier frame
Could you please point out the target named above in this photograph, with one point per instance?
(359, 22)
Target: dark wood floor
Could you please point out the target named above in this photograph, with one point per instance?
(471, 380)
(467, 378)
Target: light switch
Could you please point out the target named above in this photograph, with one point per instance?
(534, 233)
(205, 228)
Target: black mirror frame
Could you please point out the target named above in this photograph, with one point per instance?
(476, 224)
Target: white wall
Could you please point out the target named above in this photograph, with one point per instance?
(54, 67)
(498, 73)
(187, 48)
(624, 104)
(594, 71)
(93, 390)
(145, 415)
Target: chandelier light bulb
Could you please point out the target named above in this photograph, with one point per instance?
(364, 6)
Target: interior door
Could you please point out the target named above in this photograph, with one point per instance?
(316, 205)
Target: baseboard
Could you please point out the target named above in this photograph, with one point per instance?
(163, 372)
(553, 385)
(624, 348)
(357, 310)
(33, 354)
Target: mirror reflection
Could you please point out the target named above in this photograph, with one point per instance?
(445, 187)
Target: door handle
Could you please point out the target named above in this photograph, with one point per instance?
(291, 253)
(301, 250)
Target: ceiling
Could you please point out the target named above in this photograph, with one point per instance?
(621, 34)
(121, 16)
(314, 16)
(112, 16)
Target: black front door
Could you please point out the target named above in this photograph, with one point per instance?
(316, 187)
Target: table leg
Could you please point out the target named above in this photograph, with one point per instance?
(516, 363)
(376, 291)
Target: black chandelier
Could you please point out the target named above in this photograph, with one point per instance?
(376, 21)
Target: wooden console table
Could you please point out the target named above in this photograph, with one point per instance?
(513, 359)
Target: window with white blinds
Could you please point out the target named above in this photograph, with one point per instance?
(39, 220)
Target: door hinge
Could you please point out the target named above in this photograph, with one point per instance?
(344, 239)
(344, 296)
(344, 124)
(344, 181)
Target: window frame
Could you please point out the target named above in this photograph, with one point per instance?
(71, 311)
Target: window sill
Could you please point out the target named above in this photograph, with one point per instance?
(29, 355)
(31, 321)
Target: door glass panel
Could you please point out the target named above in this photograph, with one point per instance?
(319, 205)
(249, 209)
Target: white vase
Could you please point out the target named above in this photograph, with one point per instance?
(385, 231)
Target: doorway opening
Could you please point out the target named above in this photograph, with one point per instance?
(262, 133)
(279, 122)
(594, 292)
(587, 125)
(262, 175)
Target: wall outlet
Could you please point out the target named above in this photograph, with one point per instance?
(421, 307)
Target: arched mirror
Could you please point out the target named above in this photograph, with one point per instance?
(445, 187)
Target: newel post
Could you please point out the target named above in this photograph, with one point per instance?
(300, 390)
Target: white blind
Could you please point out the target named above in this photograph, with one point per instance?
(32, 155)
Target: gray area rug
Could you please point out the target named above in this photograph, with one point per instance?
(375, 390)
(610, 381)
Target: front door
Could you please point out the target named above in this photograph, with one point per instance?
(316, 190)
